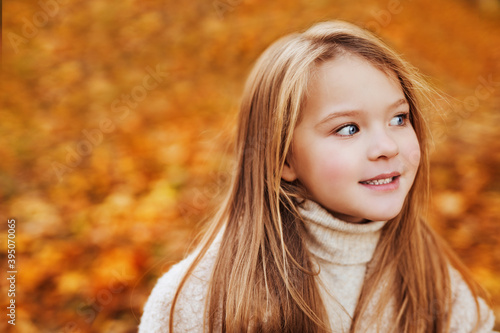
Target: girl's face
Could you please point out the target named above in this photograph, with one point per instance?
(354, 149)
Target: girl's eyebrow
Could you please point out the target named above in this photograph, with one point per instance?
(352, 113)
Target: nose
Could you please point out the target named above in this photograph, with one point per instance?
(382, 146)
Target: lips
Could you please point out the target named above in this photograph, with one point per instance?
(382, 179)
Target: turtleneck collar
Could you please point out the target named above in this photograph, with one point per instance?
(337, 241)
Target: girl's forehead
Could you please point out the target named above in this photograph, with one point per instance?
(346, 65)
(352, 79)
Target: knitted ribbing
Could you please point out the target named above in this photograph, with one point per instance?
(342, 250)
(336, 241)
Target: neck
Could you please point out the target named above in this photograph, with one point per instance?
(334, 240)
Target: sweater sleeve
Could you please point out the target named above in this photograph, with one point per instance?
(464, 312)
(190, 305)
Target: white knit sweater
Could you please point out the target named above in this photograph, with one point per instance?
(342, 250)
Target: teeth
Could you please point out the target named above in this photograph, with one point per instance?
(379, 181)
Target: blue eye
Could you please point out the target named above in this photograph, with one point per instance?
(399, 120)
(347, 130)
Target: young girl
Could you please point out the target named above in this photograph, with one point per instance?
(322, 228)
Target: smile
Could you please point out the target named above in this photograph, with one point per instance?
(384, 182)
(379, 181)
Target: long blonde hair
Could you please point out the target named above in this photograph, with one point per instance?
(264, 278)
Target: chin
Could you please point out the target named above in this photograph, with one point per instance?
(383, 216)
(385, 211)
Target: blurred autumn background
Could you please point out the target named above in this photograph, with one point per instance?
(116, 125)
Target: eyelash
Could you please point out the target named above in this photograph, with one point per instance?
(403, 116)
(337, 131)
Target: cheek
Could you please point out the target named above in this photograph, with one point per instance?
(338, 165)
(412, 153)
(318, 169)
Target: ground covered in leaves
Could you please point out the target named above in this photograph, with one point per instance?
(115, 130)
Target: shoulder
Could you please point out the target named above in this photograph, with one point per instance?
(189, 308)
(464, 313)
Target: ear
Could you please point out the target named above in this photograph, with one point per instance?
(288, 173)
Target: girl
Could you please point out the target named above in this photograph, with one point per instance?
(322, 228)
